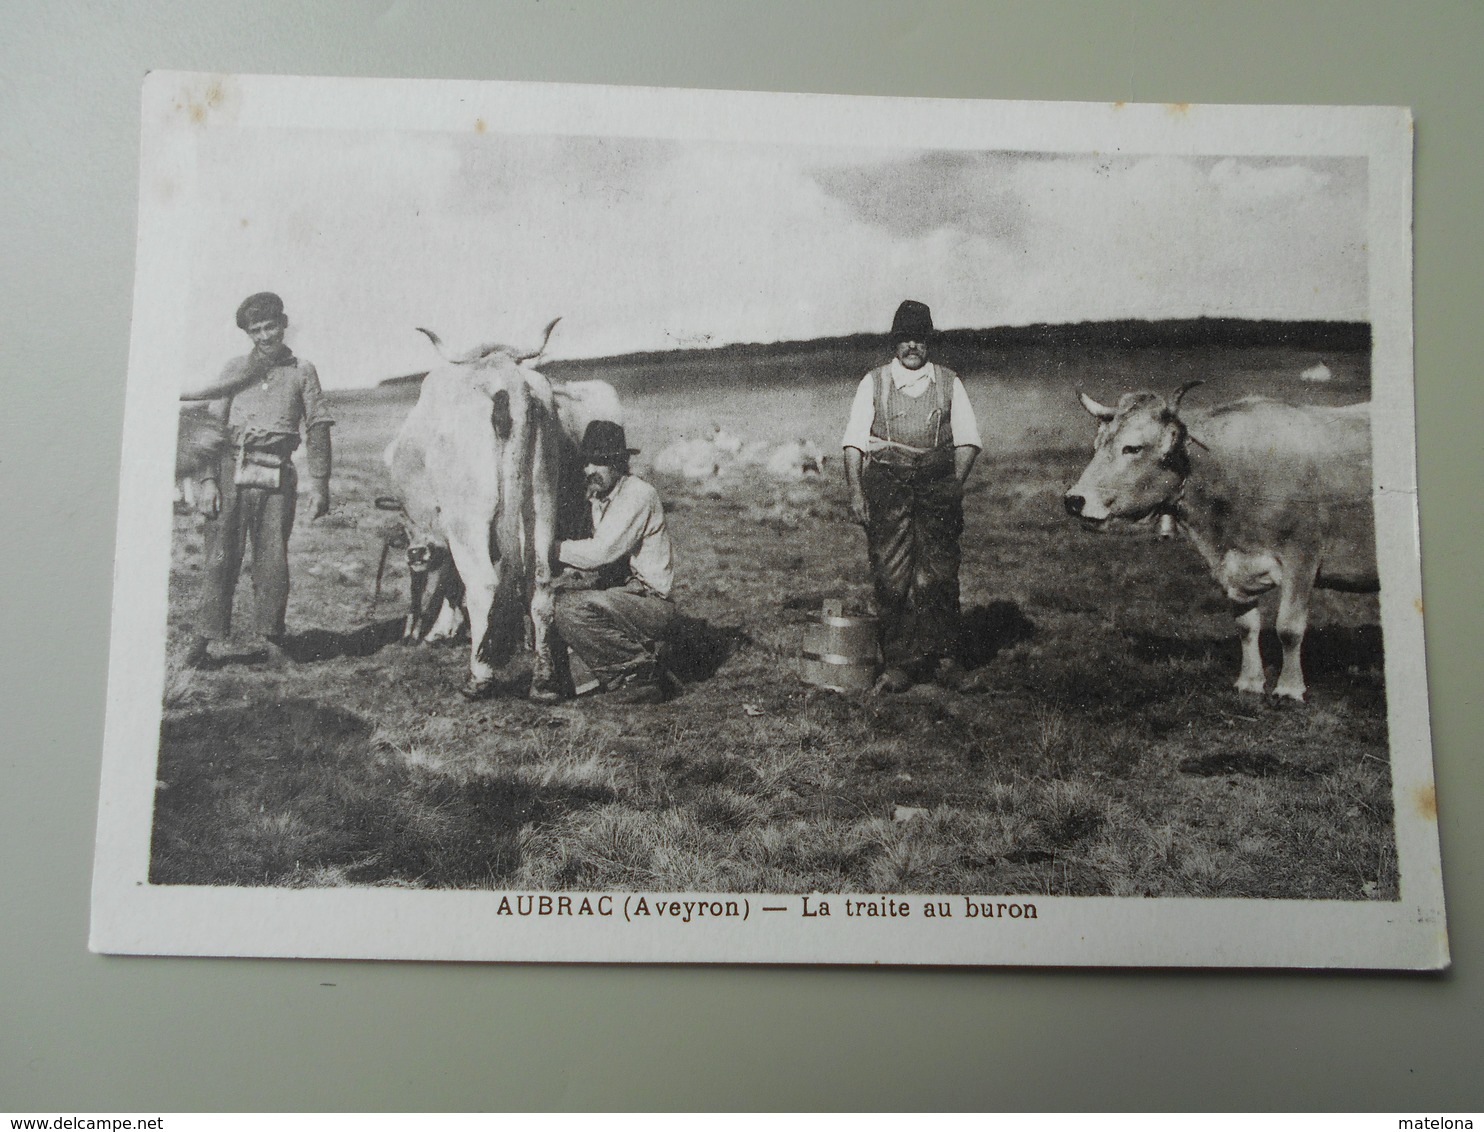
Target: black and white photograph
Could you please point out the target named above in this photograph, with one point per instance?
(581, 523)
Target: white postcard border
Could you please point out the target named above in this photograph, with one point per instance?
(132, 916)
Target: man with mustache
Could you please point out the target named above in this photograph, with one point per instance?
(909, 445)
(264, 397)
(614, 606)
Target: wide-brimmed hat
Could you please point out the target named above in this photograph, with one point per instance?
(604, 440)
(913, 322)
(256, 308)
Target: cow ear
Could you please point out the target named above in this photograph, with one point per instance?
(1171, 439)
(1097, 409)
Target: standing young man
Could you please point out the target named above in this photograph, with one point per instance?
(266, 395)
(909, 445)
(616, 607)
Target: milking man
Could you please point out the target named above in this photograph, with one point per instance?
(613, 604)
(909, 446)
(264, 396)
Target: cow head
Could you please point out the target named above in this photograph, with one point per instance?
(1139, 459)
(424, 555)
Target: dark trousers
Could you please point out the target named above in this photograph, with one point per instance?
(916, 519)
(266, 518)
(615, 631)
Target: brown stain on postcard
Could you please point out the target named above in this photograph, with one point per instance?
(1178, 108)
(200, 104)
(479, 125)
(1426, 800)
(1417, 605)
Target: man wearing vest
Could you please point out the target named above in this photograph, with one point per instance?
(264, 396)
(909, 446)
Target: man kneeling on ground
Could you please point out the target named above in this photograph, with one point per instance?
(613, 606)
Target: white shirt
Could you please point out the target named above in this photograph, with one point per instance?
(909, 383)
(629, 524)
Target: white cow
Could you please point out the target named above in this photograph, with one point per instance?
(476, 468)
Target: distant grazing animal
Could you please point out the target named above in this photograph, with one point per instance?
(689, 459)
(719, 454)
(1321, 372)
(476, 468)
(200, 441)
(794, 459)
(1273, 496)
(725, 442)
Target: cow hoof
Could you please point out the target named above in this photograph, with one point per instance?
(477, 689)
(545, 696)
(1250, 687)
(1289, 695)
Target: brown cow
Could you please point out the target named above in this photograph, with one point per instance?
(1274, 496)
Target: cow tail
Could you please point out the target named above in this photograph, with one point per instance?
(507, 615)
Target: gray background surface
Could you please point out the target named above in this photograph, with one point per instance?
(81, 1032)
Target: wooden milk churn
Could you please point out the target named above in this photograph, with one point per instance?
(839, 651)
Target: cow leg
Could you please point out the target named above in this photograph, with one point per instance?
(446, 626)
(546, 681)
(471, 556)
(1249, 629)
(412, 628)
(1293, 620)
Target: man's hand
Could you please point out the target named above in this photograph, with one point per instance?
(319, 500)
(574, 579)
(859, 510)
(209, 499)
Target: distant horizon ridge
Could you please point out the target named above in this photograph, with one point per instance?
(1201, 330)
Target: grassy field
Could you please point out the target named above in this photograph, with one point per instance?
(1111, 758)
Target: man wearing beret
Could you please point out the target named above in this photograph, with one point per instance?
(265, 397)
(613, 605)
(909, 445)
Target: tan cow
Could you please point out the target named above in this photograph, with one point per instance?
(476, 468)
(1274, 496)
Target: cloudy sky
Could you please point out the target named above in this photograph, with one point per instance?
(648, 244)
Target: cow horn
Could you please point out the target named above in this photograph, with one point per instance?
(437, 342)
(1181, 392)
(1097, 409)
(545, 338)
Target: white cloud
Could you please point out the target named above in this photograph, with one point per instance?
(644, 244)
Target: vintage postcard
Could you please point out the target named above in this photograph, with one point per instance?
(619, 524)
